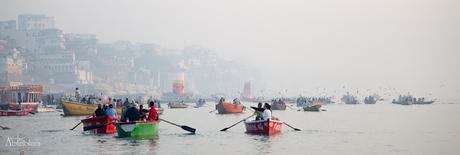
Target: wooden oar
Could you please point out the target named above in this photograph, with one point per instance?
(76, 125)
(4, 127)
(79, 123)
(187, 128)
(212, 111)
(225, 129)
(291, 127)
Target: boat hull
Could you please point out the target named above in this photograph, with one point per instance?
(13, 113)
(263, 127)
(228, 108)
(27, 106)
(78, 109)
(106, 121)
(315, 108)
(174, 105)
(138, 129)
(278, 106)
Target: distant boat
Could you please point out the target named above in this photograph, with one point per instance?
(263, 127)
(201, 102)
(13, 113)
(370, 100)
(78, 109)
(316, 107)
(28, 96)
(278, 105)
(175, 105)
(227, 108)
(349, 99)
(409, 99)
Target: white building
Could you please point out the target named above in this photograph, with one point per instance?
(28, 22)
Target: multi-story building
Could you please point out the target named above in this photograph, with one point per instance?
(11, 66)
(28, 22)
(51, 40)
(8, 25)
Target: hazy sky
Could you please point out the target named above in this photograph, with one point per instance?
(413, 45)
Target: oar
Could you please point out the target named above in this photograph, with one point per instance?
(291, 127)
(212, 111)
(76, 125)
(225, 129)
(4, 127)
(187, 128)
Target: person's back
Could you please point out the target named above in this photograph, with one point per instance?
(153, 115)
(267, 115)
(99, 111)
(111, 111)
(259, 115)
(132, 114)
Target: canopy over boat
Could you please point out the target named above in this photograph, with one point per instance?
(264, 127)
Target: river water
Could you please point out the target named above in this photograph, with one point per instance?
(343, 129)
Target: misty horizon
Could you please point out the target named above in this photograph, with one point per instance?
(302, 46)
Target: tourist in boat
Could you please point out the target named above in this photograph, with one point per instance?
(77, 94)
(99, 111)
(259, 115)
(124, 109)
(236, 101)
(132, 114)
(142, 113)
(222, 100)
(267, 112)
(153, 114)
(111, 111)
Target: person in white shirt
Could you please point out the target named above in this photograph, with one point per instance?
(267, 112)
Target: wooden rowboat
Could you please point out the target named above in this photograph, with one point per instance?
(263, 127)
(76, 109)
(138, 129)
(227, 107)
(13, 113)
(177, 105)
(100, 125)
(278, 106)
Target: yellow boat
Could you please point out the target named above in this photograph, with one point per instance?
(75, 108)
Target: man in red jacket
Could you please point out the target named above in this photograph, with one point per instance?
(153, 115)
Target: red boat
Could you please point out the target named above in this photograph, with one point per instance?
(227, 107)
(28, 95)
(13, 113)
(101, 124)
(264, 127)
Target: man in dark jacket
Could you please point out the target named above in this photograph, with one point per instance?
(132, 114)
(99, 111)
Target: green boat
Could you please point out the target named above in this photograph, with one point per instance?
(138, 129)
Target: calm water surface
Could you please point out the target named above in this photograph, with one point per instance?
(342, 129)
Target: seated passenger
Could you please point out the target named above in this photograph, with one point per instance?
(111, 111)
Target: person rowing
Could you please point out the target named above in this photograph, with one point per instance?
(258, 114)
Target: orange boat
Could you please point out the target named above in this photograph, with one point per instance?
(227, 108)
(100, 125)
(263, 127)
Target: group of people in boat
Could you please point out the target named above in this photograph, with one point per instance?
(131, 111)
(263, 113)
(236, 101)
